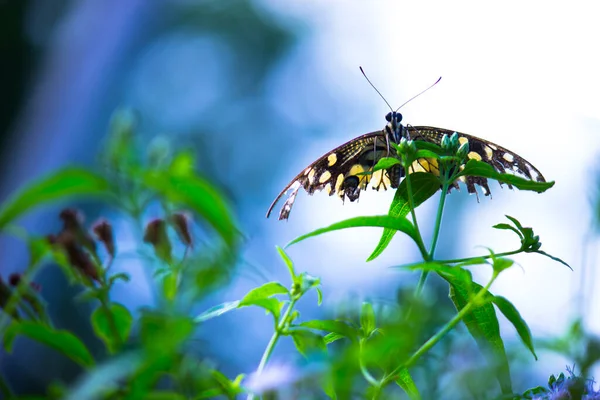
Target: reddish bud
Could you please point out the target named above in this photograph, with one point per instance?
(73, 222)
(77, 256)
(181, 222)
(72, 219)
(14, 279)
(156, 235)
(104, 233)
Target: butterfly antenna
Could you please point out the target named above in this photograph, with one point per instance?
(414, 97)
(378, 92)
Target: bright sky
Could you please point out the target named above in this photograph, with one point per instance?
(520, 74)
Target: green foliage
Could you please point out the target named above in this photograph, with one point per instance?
(62, 341)
(373, 350)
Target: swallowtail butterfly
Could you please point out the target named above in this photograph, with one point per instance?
(344, 170)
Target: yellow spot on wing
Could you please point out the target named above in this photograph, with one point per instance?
(325, 177)
(311, 176)
(474, 156)
(508, 157)
(488, 152)
(331, 159)
(338, 182)
(462, 140)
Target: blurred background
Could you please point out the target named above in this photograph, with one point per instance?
(259, 89)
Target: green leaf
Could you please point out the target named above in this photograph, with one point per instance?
(515, 221)
(453, 274)
(330, 325)
(163, 334)
(382, 221)
(120, 319)
(170, 285)
(271, 304)
(554, 258)
(63, 341)
(512, 314)
(367, 319)
(479, 168)
(426, 154)
(217, 311)
(385, 163)
(424, 185)
(482, 324)
(508, 227)
(332, 337)
(308, 342)
(199, 195)
(183, 164)
(287, 260)
(405, 381)
(434, 148)
(66, 183)
(319, 297)
(262, 292)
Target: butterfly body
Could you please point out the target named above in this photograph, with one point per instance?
(345, 170)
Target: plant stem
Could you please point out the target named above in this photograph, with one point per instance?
(363, 369)
(271, 345)
(105, 304)
(436, 234)
(460, 260)
(411, 204)
(447, 328)
(438, 220)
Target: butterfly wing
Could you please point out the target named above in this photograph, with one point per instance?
(500, 158)
(342, 171)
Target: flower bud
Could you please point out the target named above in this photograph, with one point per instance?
(463, 150)
(454, 143)
(156, 235)
(73, 222)
(181, 223)
(445, 142)
(104, 233)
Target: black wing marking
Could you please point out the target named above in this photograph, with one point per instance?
(500, 158)
(341, 171)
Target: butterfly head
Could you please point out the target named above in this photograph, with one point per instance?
(394, 126)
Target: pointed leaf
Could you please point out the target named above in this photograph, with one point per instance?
(483, 325)
(63, 341)
(120, 320)
(66, 183)
(270, 304)
(512, 314)
(385, 163)
(262, 292)
(329, 325)
(554, 258)
(479, 168)
(287, 260)
(382, 221)
(308, 342)
(424, 185)
(367, 319)
(405, 381)
(217, 311)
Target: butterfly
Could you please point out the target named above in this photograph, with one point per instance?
(345, 170)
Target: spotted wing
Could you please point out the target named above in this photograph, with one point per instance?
(342, 171)
(501, 159)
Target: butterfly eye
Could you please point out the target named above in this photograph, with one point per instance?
(398, 117)
(388, 117)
